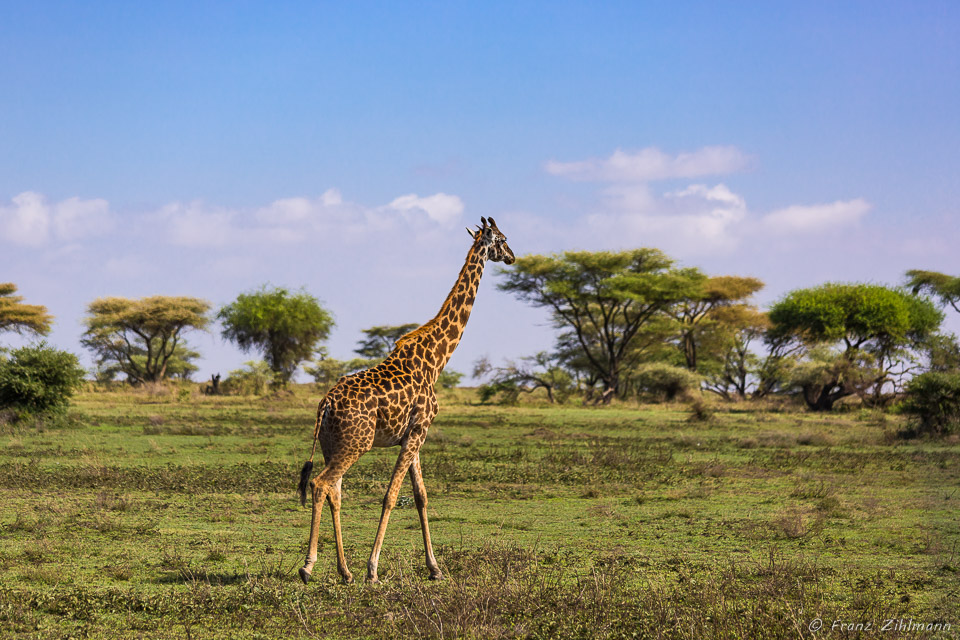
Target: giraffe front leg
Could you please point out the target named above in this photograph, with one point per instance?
(420, 497)
(389, 500)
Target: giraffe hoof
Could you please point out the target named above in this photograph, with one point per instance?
(304, 575)
(436, 576)
(347, 579)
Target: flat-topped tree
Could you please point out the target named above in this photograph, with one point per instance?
(379, 341)
(604, 299)
(19, 317)
(702, 314)
(944, 287)
(142, 337)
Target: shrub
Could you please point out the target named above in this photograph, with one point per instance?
(665, 380)
(253, 379)
(934, 398)
(38, 379)
(448, 379)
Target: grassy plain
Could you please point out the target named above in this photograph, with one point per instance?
(173, 515)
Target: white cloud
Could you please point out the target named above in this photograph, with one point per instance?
(27, 221)
(194, 225)
(440, 207)
(286, 210)
(651, 164)
(331, 198)
(32, 221)
(75, 218)
(295, 220)
(699, 217)
(817, 217)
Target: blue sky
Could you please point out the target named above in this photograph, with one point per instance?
(206, 148)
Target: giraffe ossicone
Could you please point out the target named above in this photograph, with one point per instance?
(392, 404)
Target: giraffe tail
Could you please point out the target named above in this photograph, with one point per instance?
(308, 465)
(304, 480)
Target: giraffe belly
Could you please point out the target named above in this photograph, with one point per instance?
(384, 438)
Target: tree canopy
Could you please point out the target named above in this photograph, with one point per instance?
(379, 341)
(701, 314)
(19, 317)
(873, 325)
(142, 337)
(603, 298)
(938, 285)
(284, 326)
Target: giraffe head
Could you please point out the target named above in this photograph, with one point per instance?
(492, 241)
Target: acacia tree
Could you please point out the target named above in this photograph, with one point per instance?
(604, 299)
(142, 337)
(284, 326)
(875, 328)
(19, 317)
(739, 370)
(380, 340)
(542, 370)
(938, 285)
(699, 316)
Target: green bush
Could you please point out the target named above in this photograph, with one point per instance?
(39, 379)
(254, 379)
(664, 380)
(448, 379)
(934, 398)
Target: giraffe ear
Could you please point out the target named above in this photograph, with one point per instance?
(471, 234)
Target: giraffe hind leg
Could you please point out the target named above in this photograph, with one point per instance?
(321, 486)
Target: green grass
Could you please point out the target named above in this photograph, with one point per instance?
(167, 515)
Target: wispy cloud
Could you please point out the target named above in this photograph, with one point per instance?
(440, 207)
(697, 217)
(30, 220)
(295, 220)
(817, 217)
(652, 164)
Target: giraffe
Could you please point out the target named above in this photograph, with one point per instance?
(392, 404)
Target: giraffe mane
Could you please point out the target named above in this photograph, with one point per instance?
(404, 339)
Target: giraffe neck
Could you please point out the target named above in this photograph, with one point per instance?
(442, 334)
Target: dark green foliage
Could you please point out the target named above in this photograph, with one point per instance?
(936, 284)
(664, 380)
(379, 341)
(943, 353)
(448, 379)
(286, 327)
(934, 399)
(39, 379)
(326, 370)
